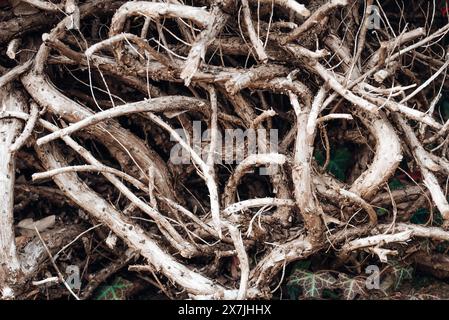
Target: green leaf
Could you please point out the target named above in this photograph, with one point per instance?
(381, 212)
(339, 162)
(395, 184)
(420, 216)
(330, 294)
(319, 157)
(115, 291)
(293, 291)
(302, 264)
(311, 283)
(442, 247)
(402, 273)
(421, 281)
(352, 287)
(437, 219)
(444, 108)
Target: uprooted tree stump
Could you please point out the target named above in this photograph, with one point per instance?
(130, 134)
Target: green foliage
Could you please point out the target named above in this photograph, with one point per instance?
(319, 157)
(322, 284)
(115, 291)
(302, 264)
(293, 290)
(312, 284)
(437, 219)
(303, 283)
(421, 216)
(339, 162)
(352, 287)
(442, 247)
(395, 184)
(330, 294)
(421, 281)
(401, 274)
(444, 108)
(381, 212)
